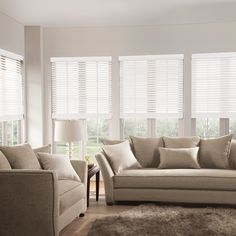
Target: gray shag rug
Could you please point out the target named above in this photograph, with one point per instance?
(150, 219)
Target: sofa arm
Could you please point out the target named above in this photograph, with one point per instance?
(107, 174)
(81, 168)
(28, 203)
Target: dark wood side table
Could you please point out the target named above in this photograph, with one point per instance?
(93, 170)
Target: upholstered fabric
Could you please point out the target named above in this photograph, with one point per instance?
(44, 149)
(70, 192)
(175, 195)
(121, 157)
(146, 150)
(28, 203)
(176, 158)
(232, 155)
(105, 141)
(4, 164)
(107, 174)
(39, 192)
(21, 157)
(60, 164)
(214, 153)
(183, 142)
(198, 179)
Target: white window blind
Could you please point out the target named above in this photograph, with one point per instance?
(81, 87)
(151, 86)
(214, 85)
(11, 86)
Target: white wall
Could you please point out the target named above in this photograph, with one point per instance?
(118, 41)
(34, 84)
(11, 35)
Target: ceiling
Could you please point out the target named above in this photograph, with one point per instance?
(118, 12)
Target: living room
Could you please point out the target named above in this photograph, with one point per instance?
(112, 112)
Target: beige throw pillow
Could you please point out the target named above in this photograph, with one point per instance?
(146, 150)
(60, 164)
(21, 157)
(214, 153)
(110, 141)
(4, 164)
(120, 157)
(183, 142)
(179, 158)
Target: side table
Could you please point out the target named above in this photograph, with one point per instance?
(93, 170)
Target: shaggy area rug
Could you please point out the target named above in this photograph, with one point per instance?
(151, 219)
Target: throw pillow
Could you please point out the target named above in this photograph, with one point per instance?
(146, 150)
(4, 164)
(44, 149)
(214, 153)
(120, 157)
(60, 164)
(21, 157)
(184, 142)
(179, 158)
(105, 141)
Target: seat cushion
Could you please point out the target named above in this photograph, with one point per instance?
(70, 192)
(210, 179)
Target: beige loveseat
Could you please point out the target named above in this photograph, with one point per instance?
(36, 203)
(217, 186)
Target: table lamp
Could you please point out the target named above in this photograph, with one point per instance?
(69, 131)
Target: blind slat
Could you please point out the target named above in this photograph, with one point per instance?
(81, 88)
(151, 86)
(214, 85)
(11, 88)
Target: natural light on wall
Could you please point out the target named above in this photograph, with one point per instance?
(213, 92)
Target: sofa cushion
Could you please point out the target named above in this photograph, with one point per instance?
(146, 150)
(183, 142)
(61, 164)
(232, 155)
(214, 153)
(21, 157)
(179, 158)
(4, 164)
(110, 141)
(120, 157)
(199, 179)
(70, 192)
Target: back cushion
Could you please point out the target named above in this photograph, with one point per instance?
(105, 141)
(146, 150)
(232, 155)
(214, 153)
(4, 164)
(188, 142)
(21, 157)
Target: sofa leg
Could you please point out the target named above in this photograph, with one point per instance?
(81, 215)
(110, 203)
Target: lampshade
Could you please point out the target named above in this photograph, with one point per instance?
(68, 131)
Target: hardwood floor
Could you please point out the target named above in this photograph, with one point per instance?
(81, 225)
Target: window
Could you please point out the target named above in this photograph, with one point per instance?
(151, 88)
(232, 127)
(11, 98)
(81, 89)
(167, 127)
(213, 91)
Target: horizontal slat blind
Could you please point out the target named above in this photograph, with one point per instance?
(151, 86)
(81, 87)
(214, 85)
(11, 87)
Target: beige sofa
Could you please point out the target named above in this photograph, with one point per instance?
(216, 186)
(36, 203)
